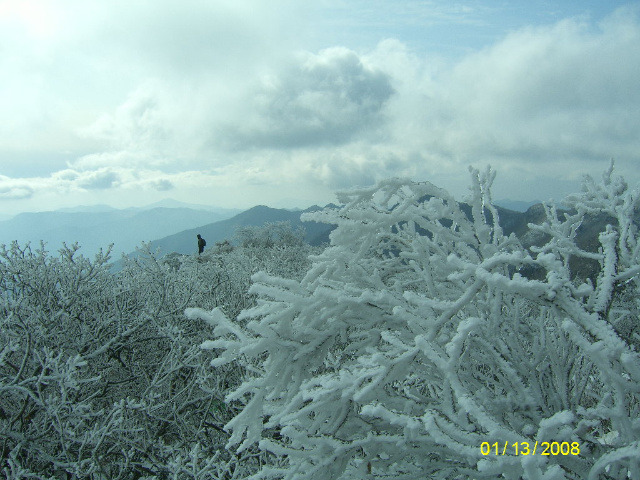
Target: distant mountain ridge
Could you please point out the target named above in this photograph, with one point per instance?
(98, 227)
(515, 205)
(164, 203)
(171, 203)
(174, 229)
(98, 208)
(511, 221)
(185, 242)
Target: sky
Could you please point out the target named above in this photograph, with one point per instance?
(235, 103)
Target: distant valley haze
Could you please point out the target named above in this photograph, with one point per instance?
(96, 226)
(168, 225)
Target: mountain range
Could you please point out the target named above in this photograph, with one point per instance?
(96, 226)
(511, 221)
(185, 242)
(172, 226)
(515, 205)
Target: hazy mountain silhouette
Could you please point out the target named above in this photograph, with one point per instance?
(511, 221)
(174, 229)
(185, 242)
(98, 208)
(587, 235)
(102, 225)
(515, 205)
(171, 203)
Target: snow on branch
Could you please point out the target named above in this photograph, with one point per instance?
(416, 337)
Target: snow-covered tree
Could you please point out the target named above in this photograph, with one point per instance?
(416, 338)
(270, 234)
(101, 376)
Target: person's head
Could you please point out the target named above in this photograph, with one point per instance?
(198, 235)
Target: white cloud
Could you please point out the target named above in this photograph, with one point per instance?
(141, 131)
(92, 55)
(99, 179)
(566, 91)
(161, 185)
(11, 189)
(192, 37)
(137, 98)
(323, 99)
(544, 106)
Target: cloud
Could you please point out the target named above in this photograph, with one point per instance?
(534, 105)
(567, 90)
(158, 125)
(98, 180)
(67, 65)
(161, 185)
(324, 99)
(114, 185)
(136, 121)
(67, 175)
(13, 190)
(542, 104)
(192, 37)
(138, 131)
(137, 98)
(330, 98)
(175, 36)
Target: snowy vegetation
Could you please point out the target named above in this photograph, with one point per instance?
(421, 333)
(101, 375)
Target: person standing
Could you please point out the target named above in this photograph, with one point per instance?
(201, 244)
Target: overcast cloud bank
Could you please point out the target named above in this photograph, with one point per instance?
(120, 105)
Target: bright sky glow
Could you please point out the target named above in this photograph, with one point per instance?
(242, 102)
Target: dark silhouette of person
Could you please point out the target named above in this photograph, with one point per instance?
(201, 244)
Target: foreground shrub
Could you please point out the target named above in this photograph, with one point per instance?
(413, 340)
(102, 377)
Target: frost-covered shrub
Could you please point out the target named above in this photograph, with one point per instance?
(271, 234)
(101, 376)
(413, 339)
(222, 277)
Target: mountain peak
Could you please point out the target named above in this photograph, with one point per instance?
(98, 208)
(172, 203)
